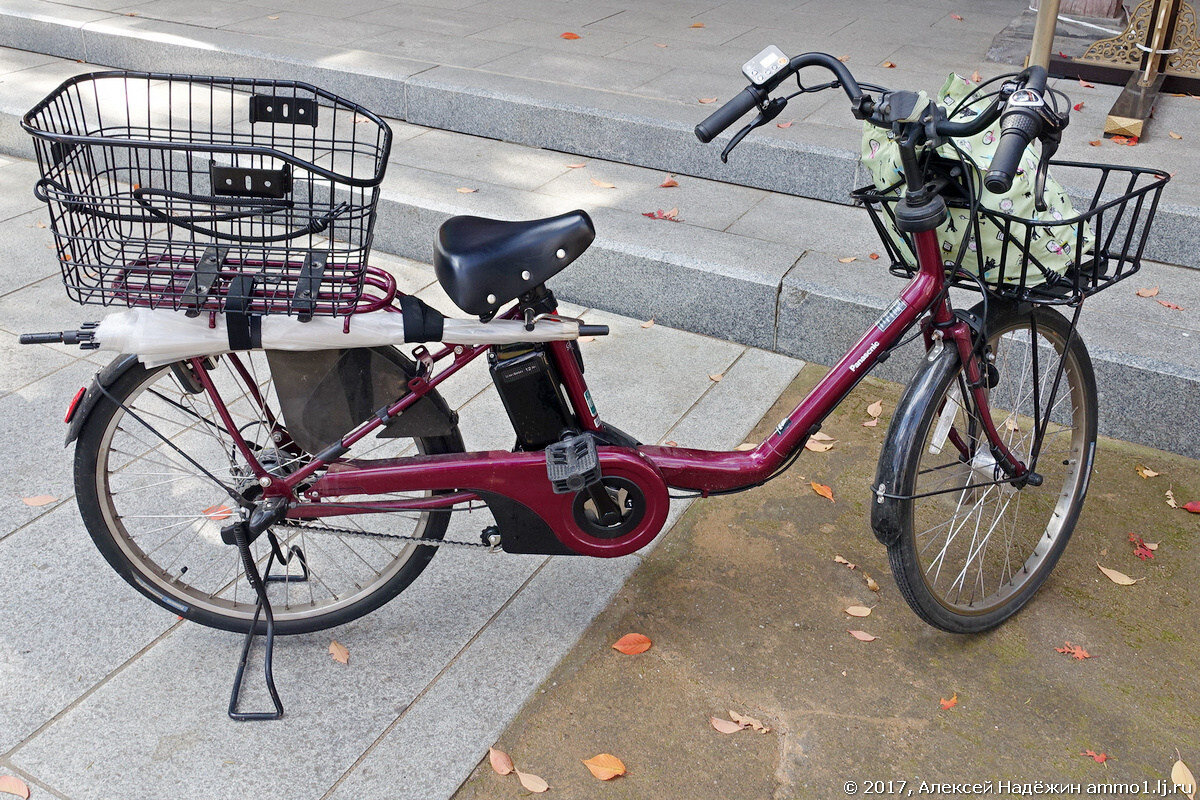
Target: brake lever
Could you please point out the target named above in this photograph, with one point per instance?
(1053, 125)
(766, 113)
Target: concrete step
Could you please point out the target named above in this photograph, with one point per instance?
(500, 70)
(744, 264)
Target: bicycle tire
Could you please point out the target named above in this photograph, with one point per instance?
(925, 535)
(109, 523)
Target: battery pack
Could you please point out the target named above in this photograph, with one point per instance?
(529, 387)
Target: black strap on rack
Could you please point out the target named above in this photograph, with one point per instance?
(308, 285)
(243, 327)
(208, 269)
(422, 323)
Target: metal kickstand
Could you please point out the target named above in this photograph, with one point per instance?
(262, 608)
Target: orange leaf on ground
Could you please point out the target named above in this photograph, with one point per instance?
(39, 500)
(1145, 471)
(602, 184)
(533, 783)
(956, 17)
(339, 652)
(975, 76)
(669, 216)
(873, 256)
(871, 423)
(569, 35)
(862, 636)
(605, 766)
(1086, 85)
(660, 44)
(844, 562)
(1074, 651)
(632, 643)
(716, 377)
(1193, 506)
(1167, 304)
(11, 784)
(871, 584)
(669, 183)
(1095, 143)
(1151, 292)
(217, 513)
(724, 725)
(949, 704)
(696, 25)
(648, 323)
(1078, 106)
(580, 165)
(787, 124)
(843, 59)
(500, 761)
(1099, 758)
(822, 490)
(888, 65)
(707, 100)
(1174, 135)
(466, 190)
(847, 259)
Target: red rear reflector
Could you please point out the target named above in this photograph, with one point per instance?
(74, 403)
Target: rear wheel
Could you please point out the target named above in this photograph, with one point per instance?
(974, 550)
(155, 506)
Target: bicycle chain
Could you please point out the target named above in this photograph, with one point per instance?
(373, 535)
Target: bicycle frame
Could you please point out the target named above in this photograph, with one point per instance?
(521, 477)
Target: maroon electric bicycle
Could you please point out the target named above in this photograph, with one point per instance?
(258, 485)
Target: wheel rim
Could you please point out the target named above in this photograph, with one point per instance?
(165, 515)
(977, 548)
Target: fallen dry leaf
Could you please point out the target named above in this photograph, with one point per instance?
(39, 500)
(1099, 758)
(858, 611)
(273, 17)
(602, 184)
(660, 44)
(862, 636)
(605, 766)
(744, 446)
(1010, 424)
(648, 323)
(1119, 578)
(1146, 472)
(876, 408)
(500, 761)
(11, 784)
(956, 17)
(946, 705)
(847, 259)
(787, 124)
(671, 444)
(1129, 141)
(1086, 85)
(696, 25)
(1140, 548)
(569, 35)
(669, 183)
(844, 562)
(1095, 143)
(669, 216)
(707, 100)
(1193, 506)
(339, 652)
(632, 643)
(1181, 777)
(1151, 292)
(533, 783)
(818, 447)
(1078, 106)
(580, 165)
(1170, 305)
(822, 490)
(871, 583)
(217, 513)
(976, 77)
(466, 190)
(1073, 650)
(1170, 495)
(724, 725)
(871, 423)
(748, 722)
(1174, 135)
(873, 256)
(716, 377)
(888, 65)
(843, 59)
(586, 339)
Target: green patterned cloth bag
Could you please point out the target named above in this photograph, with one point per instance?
(1051, 246)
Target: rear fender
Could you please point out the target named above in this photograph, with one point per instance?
(102, 380)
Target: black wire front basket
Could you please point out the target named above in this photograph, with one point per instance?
(1052, 261)
(166, 190)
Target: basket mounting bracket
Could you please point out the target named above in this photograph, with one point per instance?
(308, 285)
(208, 269)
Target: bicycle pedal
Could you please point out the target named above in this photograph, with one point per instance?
(573, 464)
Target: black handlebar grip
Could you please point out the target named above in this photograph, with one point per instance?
(728, 114)
(1018, 127)
(593, 330)
(40, 338)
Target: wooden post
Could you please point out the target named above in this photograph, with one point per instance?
(1043, 34)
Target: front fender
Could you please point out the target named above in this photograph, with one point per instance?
(103, 379)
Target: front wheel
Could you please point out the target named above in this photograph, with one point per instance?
(969, 550)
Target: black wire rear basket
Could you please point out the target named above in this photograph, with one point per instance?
(1103, 245)
(166, 189)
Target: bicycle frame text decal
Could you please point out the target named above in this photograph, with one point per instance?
(891, 314)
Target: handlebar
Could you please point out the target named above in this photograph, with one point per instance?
(754, 96)
(1020, 125)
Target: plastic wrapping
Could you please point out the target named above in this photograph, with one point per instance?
(160, 337)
